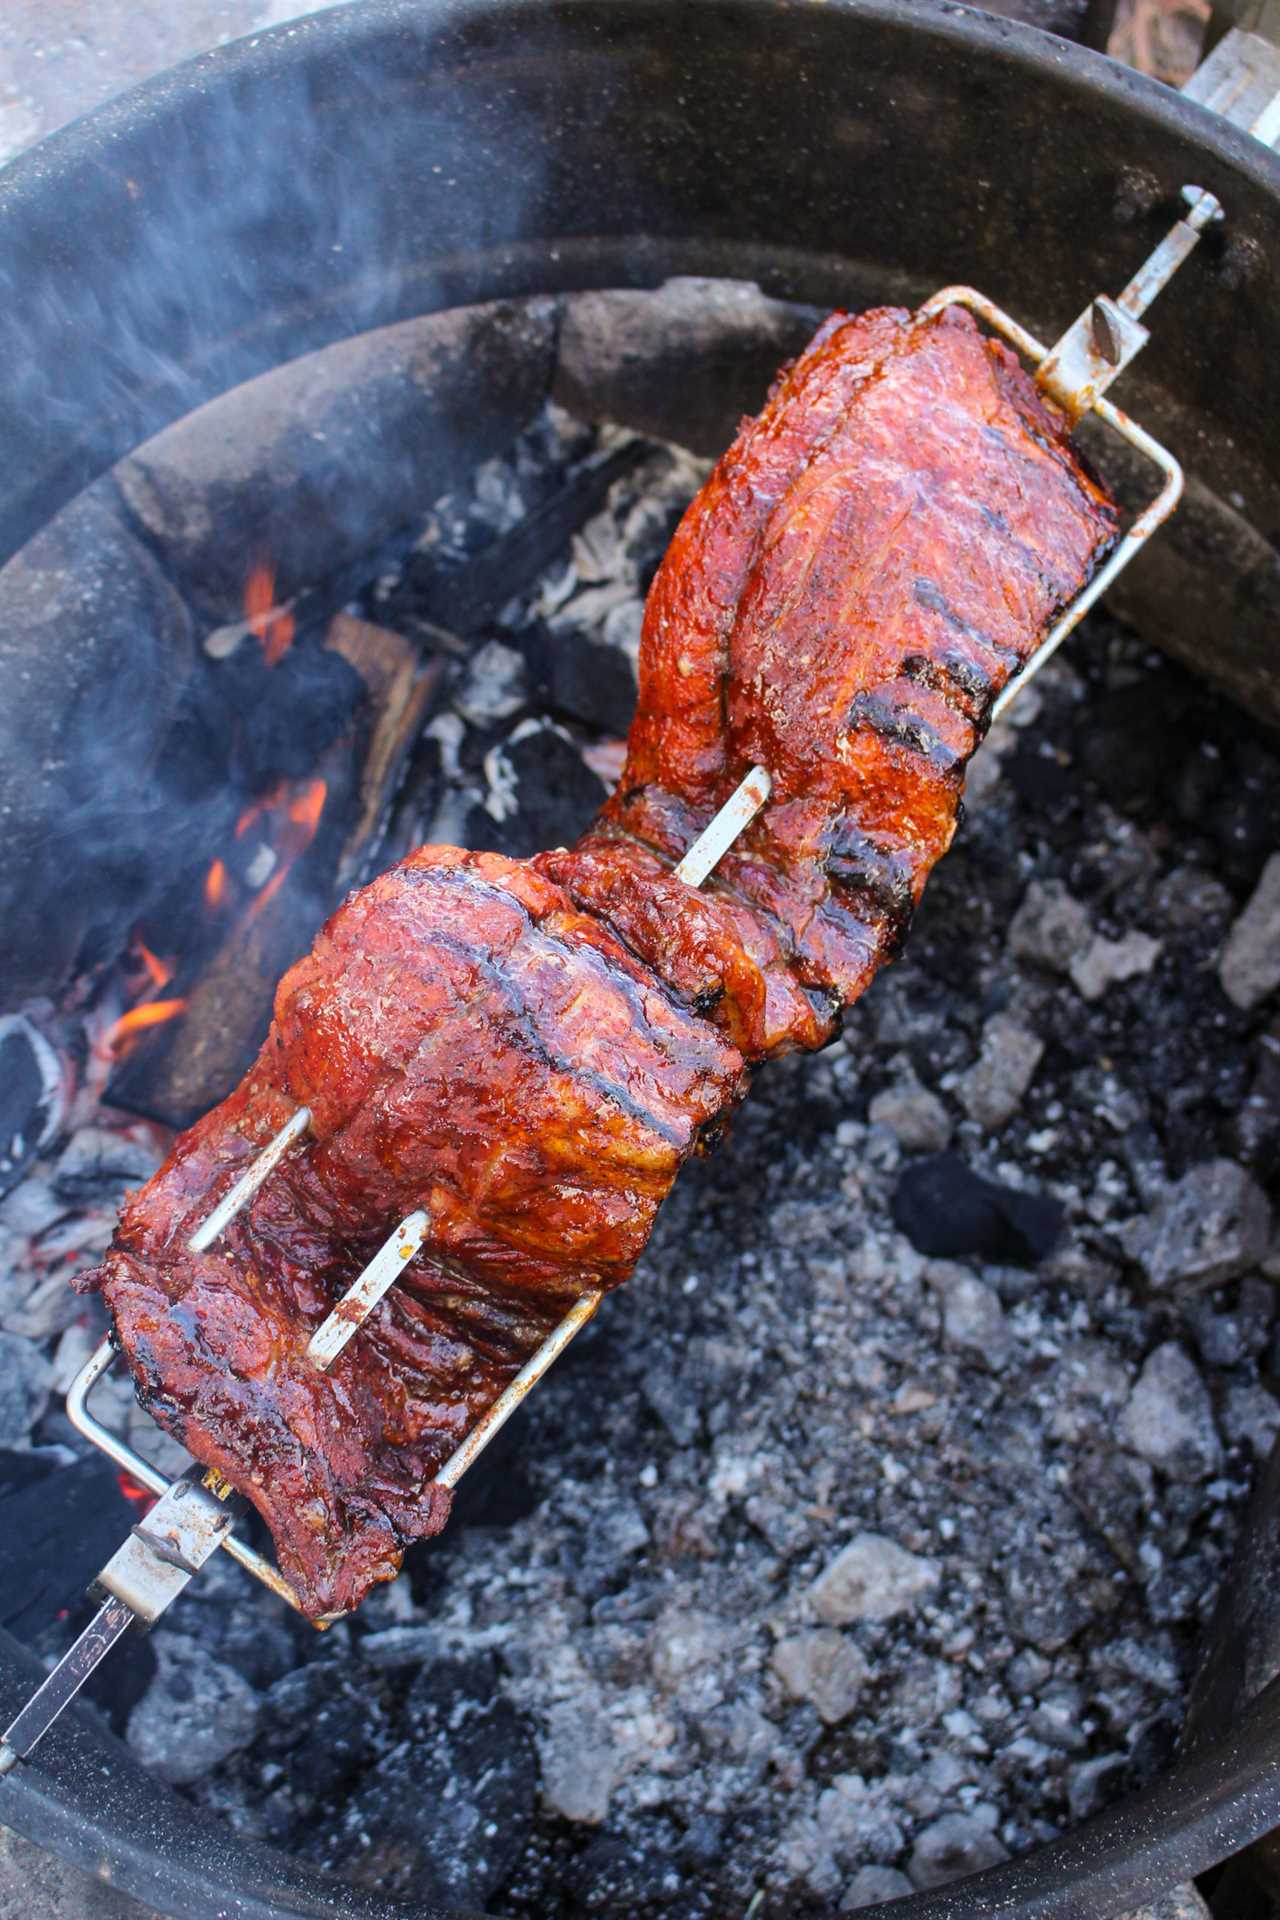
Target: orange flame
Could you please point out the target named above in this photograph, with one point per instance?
(151, 1013)
(265, 803)
(150, 1010)
(273, 625)
(159, 972)
(302, 816)
(215, 885)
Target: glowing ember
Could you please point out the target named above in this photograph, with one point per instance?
(215, 885)
(265, 803)
(140, 1497)
(159, 972)
(301, 818)
(273, 625)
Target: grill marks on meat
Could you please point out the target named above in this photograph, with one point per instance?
(470, 1043)
(530, 1050)
(891, 573)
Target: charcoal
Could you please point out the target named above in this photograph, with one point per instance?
(823, 1667)
(1251, 1414)
(1256, 1127)
(495, 687)
(467, 596)
(1169, 1418)
(1044, 1604)
(99, 1163)
(948, 1211)
(1249, 966)
(915, 1116)
(1234, 1335)
(957, 1844)
(541, 792)
(270, 467)
(870, 1885)
(32, 1097)
(582, 676)
(1050, 927)
(196, 1713)
(994, 1086)
(302, 705)
(636, 1875)
(25, 1379)
(1093, 1783)
(973, 1320)
(872, 1579)
(316, 1723)
(449, 1821)
(1209, 1227)
(56, 1531)
(1105, 962)
(577, 1764)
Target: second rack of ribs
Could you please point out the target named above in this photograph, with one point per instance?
(529, 1050)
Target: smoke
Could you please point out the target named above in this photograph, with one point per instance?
(314, 181)
(308, 184)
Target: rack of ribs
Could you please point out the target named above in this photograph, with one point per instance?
(527, 1051)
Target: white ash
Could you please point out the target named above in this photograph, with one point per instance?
(1249, 966)
(1211, 1226)
(873, 1578)
(1105, 962)
(197, 1712)
(494, 688)
(1049, 927)
(823, 1667)
(973, 1320)
(913, 1114)
(1169, 1417)
(993, 1088)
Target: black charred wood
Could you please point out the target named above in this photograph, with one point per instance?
(948, 1211)
(56, 1530)
(465, 597)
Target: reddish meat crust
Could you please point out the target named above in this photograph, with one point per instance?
(890, 576)
(468, 1043)
(530, 1050)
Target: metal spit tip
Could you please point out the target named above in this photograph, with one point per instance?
(9, 1758)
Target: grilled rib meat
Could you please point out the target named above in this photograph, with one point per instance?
(468, 1043)
(529, 1050)
(867, 566)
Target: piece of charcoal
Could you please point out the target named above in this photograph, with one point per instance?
(948, 1211)
(541, 792)
(302, 706)
(573, 673)
(447, 1812)
(56, 1531)
(31, 1097)
(465, 597)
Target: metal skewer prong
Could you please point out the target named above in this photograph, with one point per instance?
(360, 1299)
(247, 1185)
(490, 1422)
(358, 1302)
(716, 838)
(143, 1577)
